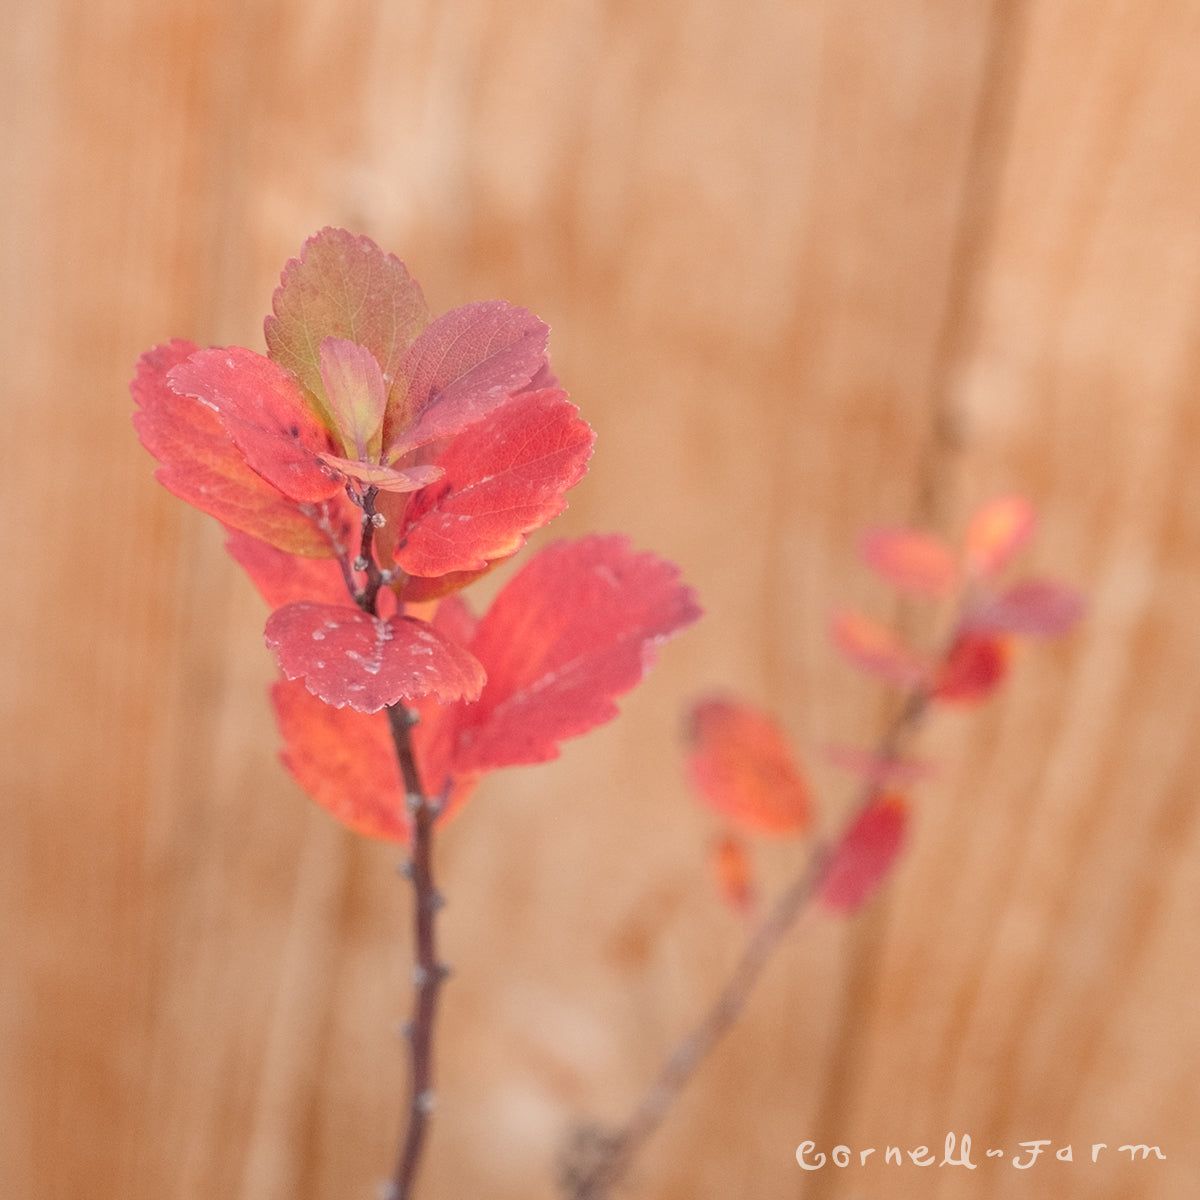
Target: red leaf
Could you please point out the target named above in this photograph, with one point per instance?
(734, 875)
(996, 532)
(417, 589)
(865, 854)
(910, 560)
(347, 656)
(875, 769)
(201, 465)
(873, 648)
(283, 578)
(465, 364)
(264, 414)
(434, 735)
(345, 760)
(974, 668)
(742, 766)
(343, 286)
(1035, 606)
(504, 476)
(574, 629)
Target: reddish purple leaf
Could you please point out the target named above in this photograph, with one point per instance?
(577, 627)
(264, 414)
(910, 560)
(346, 656)
(200, 464)
(504, 476)
(865, 854)
(343, 286)
(1035, 606)
(464, 365)
(742, 766)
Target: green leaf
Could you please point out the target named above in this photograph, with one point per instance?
(342, 286)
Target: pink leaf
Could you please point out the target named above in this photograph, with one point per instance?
(865, 854)
(996, 532)
(1035, 606)
(875, 649)
(343, 286)
(346, 656)
(577, 627)
(408, 479)
(357, 394)
(504, 476)
(911, 561)
(742, 766)
(262, 410)
(200, 464)
(465, 364)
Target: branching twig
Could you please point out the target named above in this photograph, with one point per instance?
(599, 1160)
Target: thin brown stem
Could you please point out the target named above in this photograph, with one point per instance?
(428, 972)
(368, 597)
(599, 1160)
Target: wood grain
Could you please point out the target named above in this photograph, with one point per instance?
(810, 265)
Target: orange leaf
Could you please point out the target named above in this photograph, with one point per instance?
(741, 765)
(731, 866)
(874, 648)
(910, 560)
(345, 760)
(865, 855)
(996, 532)
(974, 668)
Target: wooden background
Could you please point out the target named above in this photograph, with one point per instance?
(810, 265)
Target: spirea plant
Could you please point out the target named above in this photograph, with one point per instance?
(742, 767)
(375, 463)
(367, 469)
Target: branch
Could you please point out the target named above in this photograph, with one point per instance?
(598, 1160)
(428, 973)
(368, 597)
